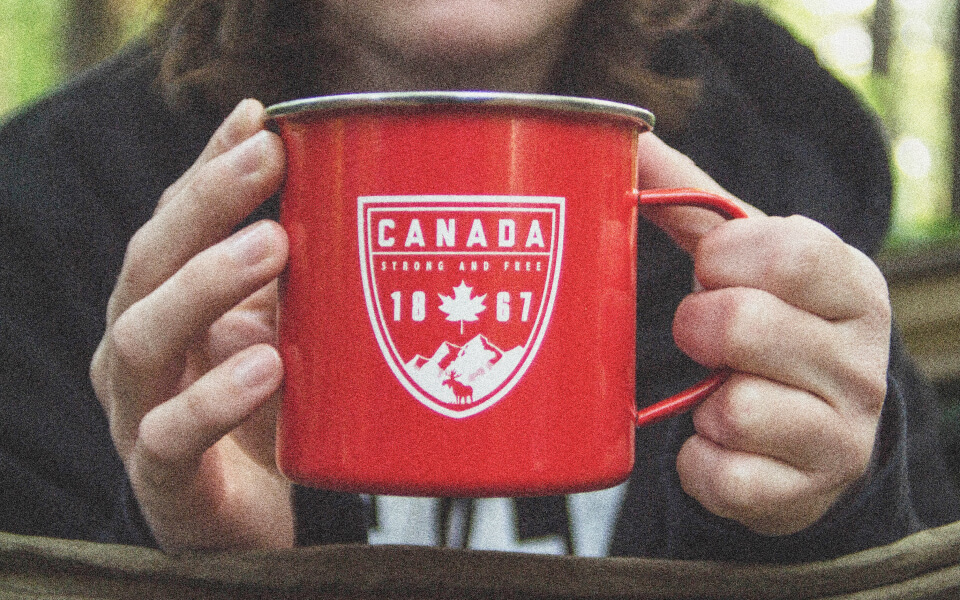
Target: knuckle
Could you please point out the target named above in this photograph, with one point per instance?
(763, 507)
(855, 466)
(862, 379)
(168, 195)
(98, 374)
(716, 327)
(863, 453)
(717, 480)
(138, 261)
(870, 294)
(808, 229)
(875, 298)
(128, 343)
(122, 433)
(211, 180)
(811, 233)
(845, 451)
(737, 319)
(873, 391)
(737, 418)
(736, 491)
(798, 252)
(848, 461)
(104, 386)
(875, 394)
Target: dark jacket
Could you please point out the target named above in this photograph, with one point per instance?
(81, 171)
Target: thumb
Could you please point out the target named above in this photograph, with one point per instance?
(661, 166)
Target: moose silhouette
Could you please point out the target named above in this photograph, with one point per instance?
(463, 393)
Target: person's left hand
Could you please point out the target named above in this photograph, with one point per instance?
(187, 370)
(804, 321)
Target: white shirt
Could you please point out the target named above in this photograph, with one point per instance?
(413, 521)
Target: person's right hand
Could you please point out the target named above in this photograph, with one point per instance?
(186, 370)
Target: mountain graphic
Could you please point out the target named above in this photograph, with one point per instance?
(464, 375)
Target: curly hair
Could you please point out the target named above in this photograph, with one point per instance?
(216, 52)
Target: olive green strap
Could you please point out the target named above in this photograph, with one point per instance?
(925, 565)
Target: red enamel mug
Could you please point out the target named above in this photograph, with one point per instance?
(458, 316)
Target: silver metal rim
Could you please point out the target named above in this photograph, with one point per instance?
(606, 108)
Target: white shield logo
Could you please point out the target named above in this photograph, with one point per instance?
(460, 290)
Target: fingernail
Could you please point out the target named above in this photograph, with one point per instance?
(252, 245)
(248, 156)
(256, 369)
(241, 107)
(237, 127)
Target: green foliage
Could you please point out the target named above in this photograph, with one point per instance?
(33, 41)
(29, 45)
(912, 97)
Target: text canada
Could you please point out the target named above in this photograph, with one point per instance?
(462, 234)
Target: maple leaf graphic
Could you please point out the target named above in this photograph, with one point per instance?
(462, 307)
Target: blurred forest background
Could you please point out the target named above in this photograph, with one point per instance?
(896, 53)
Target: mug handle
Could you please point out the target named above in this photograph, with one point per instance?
(690, 397)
